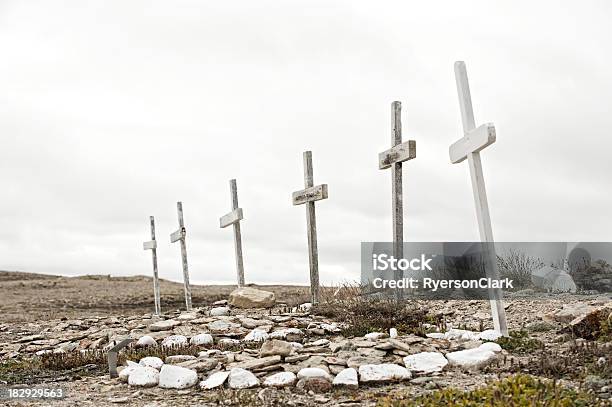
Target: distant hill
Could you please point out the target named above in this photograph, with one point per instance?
(21, 275)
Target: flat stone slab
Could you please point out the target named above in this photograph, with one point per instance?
(475, 358)
(385, 372)
(282, 379)
(214, 380)
(257, 363)
(311, 372)
(166, 325)
(425, 362)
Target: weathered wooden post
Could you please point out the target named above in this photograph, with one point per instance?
(179, 235)
(308, 196)
(152, 245)
(393, 158)
(234, 218)
(476, 139)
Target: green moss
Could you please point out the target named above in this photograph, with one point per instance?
(518, 390)
(519, 342)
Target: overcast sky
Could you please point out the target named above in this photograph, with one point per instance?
(112, 111)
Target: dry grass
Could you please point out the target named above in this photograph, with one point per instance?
(362, 313)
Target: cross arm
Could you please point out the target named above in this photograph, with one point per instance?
(178, 235)
(150, 245)
(311, 194)
(473, 142)
(231, 218)
(397, 154)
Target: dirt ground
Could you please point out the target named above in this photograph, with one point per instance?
(26, 297)
(29, 302)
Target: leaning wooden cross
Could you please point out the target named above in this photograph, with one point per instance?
(393, 158)
(152, 245)
(475, 139)
(234, 218)
(177, 236)
(308, 196)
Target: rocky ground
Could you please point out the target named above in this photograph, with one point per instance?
(252, 350)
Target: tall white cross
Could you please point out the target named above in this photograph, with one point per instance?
(152, 245)
(393, 158)
(234, 218)
(308, 197)
(179, 236)
(476, 139)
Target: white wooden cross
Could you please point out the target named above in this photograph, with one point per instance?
(308, 196)
(234, 218)
(177, 236)
(393, 158)
(152, 245)
(475, 139)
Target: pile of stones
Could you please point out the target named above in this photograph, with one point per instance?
(295, 349)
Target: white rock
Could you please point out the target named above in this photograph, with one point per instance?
(125, 373)
(282, 333)
(310, 372)
(319, 342)
(219, 311)
(392, 333)
(331, 328)
(492, 346)
(242, 379)
(471, 358)
(385, 372)
(146, 341)
(164, 325)
(282, 379)
(435, 335)
(489, 335)
(176, 377)
(220, 326)
(347, 378)
(202, 339)
(228, 341)
(186, 316)
(144, 376)
(214, 380)
(248, 297)
(175, 340)
(256, 335)
(426, 362)
(151, 361)
(374, 336)
(307, 306)
(210, 353)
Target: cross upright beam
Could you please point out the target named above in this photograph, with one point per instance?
(233, 218)
(393, 158)
(152, 245)
(309, 196)
(475, 140)
(177, 236)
